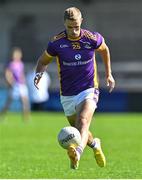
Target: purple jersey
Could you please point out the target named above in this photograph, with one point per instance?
(76, 61)
(17, 69)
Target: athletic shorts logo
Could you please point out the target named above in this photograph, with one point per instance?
(77, 56)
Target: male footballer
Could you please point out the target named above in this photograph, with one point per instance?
(74, 49)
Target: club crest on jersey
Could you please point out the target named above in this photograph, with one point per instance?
(87, 46)
(77, 56)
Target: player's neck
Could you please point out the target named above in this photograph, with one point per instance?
(74, 38)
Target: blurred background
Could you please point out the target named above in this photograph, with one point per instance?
(29, 24)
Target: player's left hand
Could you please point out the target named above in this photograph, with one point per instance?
(110, 83)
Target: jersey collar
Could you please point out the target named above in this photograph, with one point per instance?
(76, 39)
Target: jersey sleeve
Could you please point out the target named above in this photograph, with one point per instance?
(98, 39)
(51, 49)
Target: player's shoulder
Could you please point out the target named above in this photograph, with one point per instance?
(58, 37)
(90, 35)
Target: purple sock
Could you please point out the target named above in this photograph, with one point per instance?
(92, 145)
(79, 149)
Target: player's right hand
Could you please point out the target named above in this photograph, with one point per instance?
(110, 83)
(37, 78)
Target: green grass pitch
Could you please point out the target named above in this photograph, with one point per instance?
(31, 150)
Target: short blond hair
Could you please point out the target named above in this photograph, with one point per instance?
(15, 50)
(72, 13)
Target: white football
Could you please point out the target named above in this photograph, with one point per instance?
(68, 136)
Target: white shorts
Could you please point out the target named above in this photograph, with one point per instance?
(69, 103)
(18, 91)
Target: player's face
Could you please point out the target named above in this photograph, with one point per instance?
(73, 27)
(17, 55)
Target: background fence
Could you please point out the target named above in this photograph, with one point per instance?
(30, 24)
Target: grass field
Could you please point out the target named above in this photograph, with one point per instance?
(31, 150)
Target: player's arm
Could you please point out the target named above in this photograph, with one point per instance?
(9, 76)
(105, 54)
(42, 64)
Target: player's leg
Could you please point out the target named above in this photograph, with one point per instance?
(74, 153)
(93, 143)
(6, 106)
(81, 121)
(23, 94)
(68, 104)
(70, 112)
(25, 108)
(72, 120)
(86, 103)
(85, 111)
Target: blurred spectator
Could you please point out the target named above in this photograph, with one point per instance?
(38, 97)
(17, 88)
